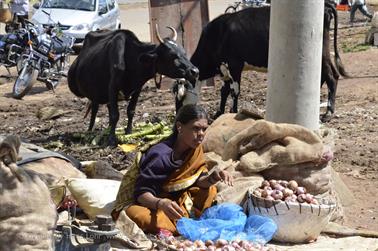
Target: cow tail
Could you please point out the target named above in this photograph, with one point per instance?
(88, 108)
(339, 64)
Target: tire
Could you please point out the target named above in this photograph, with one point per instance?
(24, 81)
(20, 64)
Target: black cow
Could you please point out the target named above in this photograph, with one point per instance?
(234, 39)
(114, 61)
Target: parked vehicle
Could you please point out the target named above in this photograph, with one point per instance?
(45, 59)
(78, 17)
(245, 4)
(12, 45)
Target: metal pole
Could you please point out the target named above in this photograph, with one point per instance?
(295, 52)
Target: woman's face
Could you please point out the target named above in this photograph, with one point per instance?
(193, 132)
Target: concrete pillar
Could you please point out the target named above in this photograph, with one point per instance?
(295, 52)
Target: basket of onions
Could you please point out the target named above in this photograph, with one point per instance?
(299, 215)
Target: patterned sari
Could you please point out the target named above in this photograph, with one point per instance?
(179, 186)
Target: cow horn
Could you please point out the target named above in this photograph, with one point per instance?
(174, 37)
(158, 35)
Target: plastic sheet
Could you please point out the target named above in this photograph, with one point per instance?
(227, 221)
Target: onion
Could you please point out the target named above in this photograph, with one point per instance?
(199, 244)
(228, 248)
(209, 243)
(272, 182)
(188, 243)
(258, 193)
(301, 198)
(180, 245)
(287, 192)
(327, 155)
(292, 198)
(277, 195)
(236, 245)
(265, 183)
(244, 244)
(278, 187)
(221, 243)
(314, 201)
(309, 197)
(211, 248)
(292, 185)
(264, 194)
(300, 190)
(284, 183)
(170, 240)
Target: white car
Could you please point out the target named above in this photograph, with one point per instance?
(78, 17)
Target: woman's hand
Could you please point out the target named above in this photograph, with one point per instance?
(170, 208)
(221, 175)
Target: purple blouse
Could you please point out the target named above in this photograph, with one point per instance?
(156, 165)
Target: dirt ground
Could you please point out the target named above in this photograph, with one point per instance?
(355, 121)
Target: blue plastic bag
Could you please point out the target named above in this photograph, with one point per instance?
(216, 221)
(260, 229)
(227, 221)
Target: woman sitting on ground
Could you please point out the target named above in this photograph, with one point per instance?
(173, 179)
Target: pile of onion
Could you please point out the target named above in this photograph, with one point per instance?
(219, 245)
(285, 191)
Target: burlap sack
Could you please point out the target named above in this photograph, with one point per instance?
(212, 159)
(130, 233)
(223, 129)
(242, 182)
(236, 193)
(53, 170)
(27, 214)
(262, 133)
(100, 170)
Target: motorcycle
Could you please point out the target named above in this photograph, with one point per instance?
(45, 59)
(12, 46)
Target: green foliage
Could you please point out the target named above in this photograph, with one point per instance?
(354, 47)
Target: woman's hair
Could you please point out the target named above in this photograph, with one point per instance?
(188, 113)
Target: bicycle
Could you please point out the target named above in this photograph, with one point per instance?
(237, 6)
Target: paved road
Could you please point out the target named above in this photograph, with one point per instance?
(135, 17)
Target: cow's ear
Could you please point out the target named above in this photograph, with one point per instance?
(148, 58)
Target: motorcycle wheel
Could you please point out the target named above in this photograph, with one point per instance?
(24, 81)
(20, 62)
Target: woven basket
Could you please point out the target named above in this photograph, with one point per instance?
(5, 15)
(297, 222)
